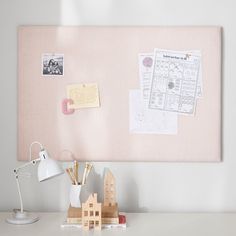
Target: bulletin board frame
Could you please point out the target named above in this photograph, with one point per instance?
(108, 56)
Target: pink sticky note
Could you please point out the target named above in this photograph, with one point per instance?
(64, 106)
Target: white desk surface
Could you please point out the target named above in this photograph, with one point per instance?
(139, 224)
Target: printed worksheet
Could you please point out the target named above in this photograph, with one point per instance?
(200, 83)
(174, 81)
(145, 73)
(147, 121)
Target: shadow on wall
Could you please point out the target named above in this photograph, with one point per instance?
(131, 197)
(130, 190)
(94, 184)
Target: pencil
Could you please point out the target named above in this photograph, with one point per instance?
(68, 172)
(73, 176)
(85, 172)
(76, 169)
(90, 166)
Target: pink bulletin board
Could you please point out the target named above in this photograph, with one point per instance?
(108, 56)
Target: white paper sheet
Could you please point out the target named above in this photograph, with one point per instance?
(146, 121)
(174, 81)
(145, 73)
(200, 83)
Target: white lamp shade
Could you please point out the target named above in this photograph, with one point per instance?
(47, 168)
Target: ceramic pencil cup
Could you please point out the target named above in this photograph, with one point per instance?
(75, 195)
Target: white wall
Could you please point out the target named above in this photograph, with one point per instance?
(141, 186)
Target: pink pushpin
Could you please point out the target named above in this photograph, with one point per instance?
(64, 106)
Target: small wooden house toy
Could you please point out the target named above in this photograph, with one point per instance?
(91, 213)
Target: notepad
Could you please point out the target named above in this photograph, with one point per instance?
(83, 95)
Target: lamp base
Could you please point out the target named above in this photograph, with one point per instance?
(22, 218)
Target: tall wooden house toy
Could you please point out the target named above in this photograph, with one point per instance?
(94, 214)
(109, 189)
(110, 213)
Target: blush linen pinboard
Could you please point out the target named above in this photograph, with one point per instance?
(108, 56)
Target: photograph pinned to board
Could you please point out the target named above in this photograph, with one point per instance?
(52, 64)
(83, 95)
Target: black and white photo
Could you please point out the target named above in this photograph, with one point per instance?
(52, 64)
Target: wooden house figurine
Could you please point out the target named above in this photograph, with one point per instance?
(92, 213)
(110, 213)
(109, 189)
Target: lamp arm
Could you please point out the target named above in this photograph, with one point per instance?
(30, 149)
(16, 172)
(19, 192)
(33, 162)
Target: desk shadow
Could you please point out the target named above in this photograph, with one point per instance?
(131, 198)
(94, 184)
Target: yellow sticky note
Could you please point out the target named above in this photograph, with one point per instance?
(83, 95)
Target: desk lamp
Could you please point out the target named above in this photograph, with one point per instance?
(47, 169)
